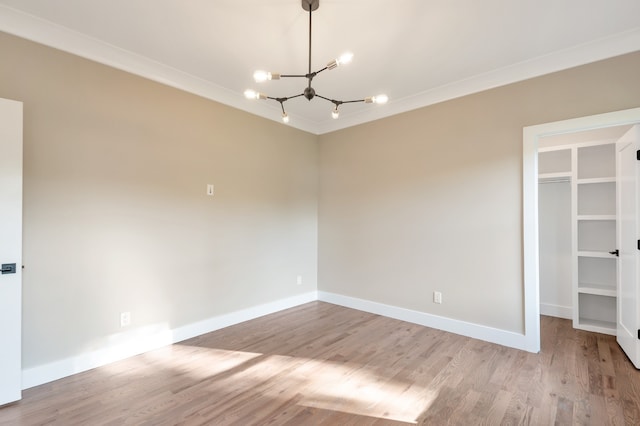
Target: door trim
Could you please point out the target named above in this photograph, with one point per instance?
(531, 136)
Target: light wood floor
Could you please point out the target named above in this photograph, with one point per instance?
(323, 364)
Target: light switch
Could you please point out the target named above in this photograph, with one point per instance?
(210, 189)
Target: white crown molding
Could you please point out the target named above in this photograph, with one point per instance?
(45, 32)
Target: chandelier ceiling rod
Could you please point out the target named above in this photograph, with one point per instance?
(310, 40)
(309, 92)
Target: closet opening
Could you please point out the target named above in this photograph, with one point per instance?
(577, 227)
(596, 222)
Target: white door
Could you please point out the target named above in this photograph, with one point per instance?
(627, 197)
(10, 250)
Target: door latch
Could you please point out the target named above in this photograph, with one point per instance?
(8, 268)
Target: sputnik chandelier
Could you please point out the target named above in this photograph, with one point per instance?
(309, 92)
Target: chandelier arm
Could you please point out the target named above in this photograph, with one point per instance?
(333, 101)
(310, 75)
(296, 96)
(351, 102)
(336, 102)
(285, 98)
(319, 71)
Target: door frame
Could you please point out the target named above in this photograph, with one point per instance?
(530, 138)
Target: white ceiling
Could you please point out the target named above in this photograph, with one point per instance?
(418, 52)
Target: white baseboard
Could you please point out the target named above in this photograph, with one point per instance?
(149, 338)
(481, 332)
(145, 339)
(556, 311)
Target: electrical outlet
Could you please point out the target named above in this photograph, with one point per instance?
(299, 280)
(437, 297)
(125, 319)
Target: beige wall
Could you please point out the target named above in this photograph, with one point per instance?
(115, 212)
(431, 200)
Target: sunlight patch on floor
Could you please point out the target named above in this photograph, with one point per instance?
(198, 362)
(348, 388)
(365, 392)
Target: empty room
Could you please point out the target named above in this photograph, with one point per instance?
(319, 212)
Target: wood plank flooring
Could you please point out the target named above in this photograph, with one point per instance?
(323, 364)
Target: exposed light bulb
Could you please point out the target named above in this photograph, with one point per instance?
(345, 58)
(262, 76)
(378, 99)
(252, 94)
(285, 117)
(335, 113)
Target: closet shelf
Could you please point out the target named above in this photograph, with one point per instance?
(601, 254)
(596, 217)
(597, 326)
(597, 289)
(554, 177)
(595, 180)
